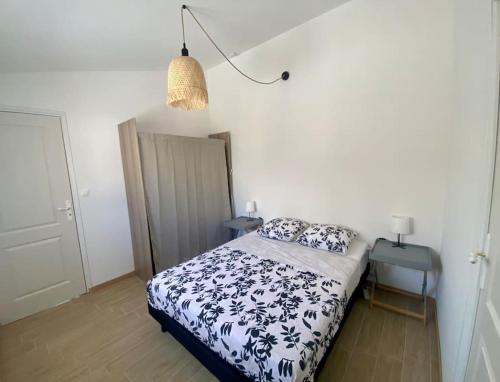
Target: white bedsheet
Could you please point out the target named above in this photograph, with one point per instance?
(346, 269)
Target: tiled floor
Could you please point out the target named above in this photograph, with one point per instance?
(109, 336)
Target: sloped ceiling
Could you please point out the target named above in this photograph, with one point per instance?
(74, 35)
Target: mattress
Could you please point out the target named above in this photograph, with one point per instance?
(269, 308)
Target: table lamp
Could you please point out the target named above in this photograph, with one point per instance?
(251, 208)
(400, 226)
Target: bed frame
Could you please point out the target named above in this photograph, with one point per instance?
(219, 367)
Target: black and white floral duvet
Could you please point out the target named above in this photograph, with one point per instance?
(269, 319)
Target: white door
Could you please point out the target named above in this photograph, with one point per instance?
(40, 261)
(484, 358)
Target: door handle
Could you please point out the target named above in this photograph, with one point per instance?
(67, 206)
(68, 209)
(474, 256)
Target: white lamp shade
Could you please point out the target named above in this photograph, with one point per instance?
(251, 207)
(401, 224)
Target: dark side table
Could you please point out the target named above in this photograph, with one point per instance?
(242, 225)
(417, 257)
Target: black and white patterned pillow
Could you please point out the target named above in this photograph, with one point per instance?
(333, 238)
(286, 229)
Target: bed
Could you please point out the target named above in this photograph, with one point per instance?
(259, 309)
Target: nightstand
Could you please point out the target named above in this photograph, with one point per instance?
(242, 225)
(417, 257)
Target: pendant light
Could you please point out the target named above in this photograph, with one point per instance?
(187, 88)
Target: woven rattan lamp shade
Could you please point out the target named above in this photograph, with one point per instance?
(187, 88)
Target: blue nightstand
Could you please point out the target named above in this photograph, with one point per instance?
(242, 225)
(417, 257)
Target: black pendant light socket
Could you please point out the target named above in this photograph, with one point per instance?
(184, 50)
(285, 76)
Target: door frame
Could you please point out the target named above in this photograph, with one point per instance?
(72, 181)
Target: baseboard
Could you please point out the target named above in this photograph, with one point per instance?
(110, 282)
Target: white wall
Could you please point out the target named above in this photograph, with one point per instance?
(471, 159)
(359, 132)
(94, 103)
(167, 120)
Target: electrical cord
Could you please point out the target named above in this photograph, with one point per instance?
(284, 76)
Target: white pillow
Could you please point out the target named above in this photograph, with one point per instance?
(285, 229)
(333, 238)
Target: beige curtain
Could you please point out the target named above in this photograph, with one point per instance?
(187, 197)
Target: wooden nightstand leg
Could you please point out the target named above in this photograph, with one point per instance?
(424, 293)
